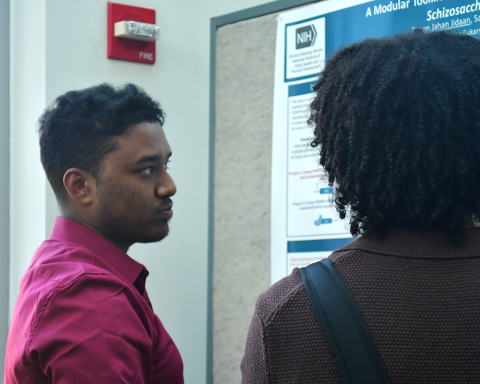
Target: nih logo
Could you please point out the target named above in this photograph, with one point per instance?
(305, 36)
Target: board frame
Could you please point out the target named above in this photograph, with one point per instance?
(215, 23)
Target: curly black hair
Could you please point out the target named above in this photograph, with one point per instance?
(397, 123)
(79, 130)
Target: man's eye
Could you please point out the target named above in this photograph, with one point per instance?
(166, 164)
(148, 170)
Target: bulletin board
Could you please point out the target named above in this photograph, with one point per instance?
(263, 65)
(241, 112)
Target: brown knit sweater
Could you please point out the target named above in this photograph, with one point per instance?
(418, 293)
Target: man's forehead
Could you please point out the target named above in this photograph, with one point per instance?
(143, 140)
(144, 130)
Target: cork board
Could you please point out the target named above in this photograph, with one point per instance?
(245, 63)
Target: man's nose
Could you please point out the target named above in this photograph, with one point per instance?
(166, 186)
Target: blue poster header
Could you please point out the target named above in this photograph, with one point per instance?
(387, 18)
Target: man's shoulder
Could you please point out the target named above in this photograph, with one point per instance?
(279, 294)
(63, 262)
(59, 269)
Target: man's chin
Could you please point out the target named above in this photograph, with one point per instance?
(152, 238)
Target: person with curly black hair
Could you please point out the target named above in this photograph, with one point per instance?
(397, 124)
(398, 129)
(83, 314)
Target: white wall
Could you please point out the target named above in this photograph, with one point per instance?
(59, 45)
(4, 173)
(27, 100)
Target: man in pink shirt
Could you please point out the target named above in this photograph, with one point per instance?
(83, 314)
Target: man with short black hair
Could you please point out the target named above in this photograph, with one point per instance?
(83, 314)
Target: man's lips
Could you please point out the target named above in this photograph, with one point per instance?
(166, 212)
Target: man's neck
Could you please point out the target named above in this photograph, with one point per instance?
(78, 219)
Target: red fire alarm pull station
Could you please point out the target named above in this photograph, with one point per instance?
(131, 33)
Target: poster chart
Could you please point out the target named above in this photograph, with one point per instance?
(305, 226)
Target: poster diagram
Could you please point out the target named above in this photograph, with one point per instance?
(305, 226)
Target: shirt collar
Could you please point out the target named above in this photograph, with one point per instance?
(419, 244)
(65, 230)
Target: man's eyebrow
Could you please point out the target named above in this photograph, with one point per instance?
(148, 159)
(151, 158)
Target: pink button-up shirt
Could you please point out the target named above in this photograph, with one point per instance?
(83, 316)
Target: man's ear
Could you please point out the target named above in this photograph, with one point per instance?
(80, 185)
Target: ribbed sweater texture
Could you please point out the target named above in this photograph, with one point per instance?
(419, 294)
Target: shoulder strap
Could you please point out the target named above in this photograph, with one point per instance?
(342, 324)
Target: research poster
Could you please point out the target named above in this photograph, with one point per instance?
(305, 226)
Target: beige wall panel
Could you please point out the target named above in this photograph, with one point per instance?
(243, 148)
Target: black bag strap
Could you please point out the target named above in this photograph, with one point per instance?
(345, 330)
